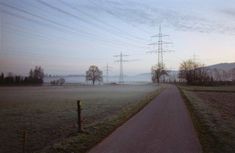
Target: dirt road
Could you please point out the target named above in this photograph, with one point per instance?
(163, 126)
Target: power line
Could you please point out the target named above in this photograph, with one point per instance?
(57, 24)
(53, 7)
(35, 33)
(107, 25)
(110, 12)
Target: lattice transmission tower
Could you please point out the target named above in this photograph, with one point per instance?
(107, 70)
(121, 60)
(159, 47)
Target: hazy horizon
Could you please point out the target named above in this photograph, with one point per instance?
(66, 37)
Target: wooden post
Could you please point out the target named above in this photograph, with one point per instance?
(24, 137)
(79, 116)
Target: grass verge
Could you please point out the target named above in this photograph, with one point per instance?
(214, 134)
(92, 135)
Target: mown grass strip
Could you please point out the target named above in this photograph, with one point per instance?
(92, 135)
(202, 130)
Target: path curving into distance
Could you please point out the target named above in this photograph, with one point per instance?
(163, 126)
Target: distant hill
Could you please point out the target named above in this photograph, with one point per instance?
(223, 66)
(222, 71)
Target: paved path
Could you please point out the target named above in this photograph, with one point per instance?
(163, 126)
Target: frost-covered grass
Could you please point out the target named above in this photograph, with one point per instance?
(48, 114)
(212, 111)
(229, 88)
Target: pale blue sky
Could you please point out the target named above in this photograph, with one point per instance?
(66, 36)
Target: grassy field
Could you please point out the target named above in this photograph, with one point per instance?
(213, 113)
(48, 115)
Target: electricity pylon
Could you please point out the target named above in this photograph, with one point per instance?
(121, 60)
(159, 45)
(107, 69)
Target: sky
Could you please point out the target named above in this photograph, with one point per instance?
(67, 36)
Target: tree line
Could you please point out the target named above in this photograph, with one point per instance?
(194, 73)
(35, 77)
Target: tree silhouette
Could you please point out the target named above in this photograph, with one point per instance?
(157, 72)
(94, 74)
(35, 77)
(194, 73)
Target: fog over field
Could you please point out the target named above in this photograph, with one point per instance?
(82, 79)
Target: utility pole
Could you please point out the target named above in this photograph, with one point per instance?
(121, 60)
(159, 45)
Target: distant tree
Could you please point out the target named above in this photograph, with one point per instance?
(17, 80)
(9, 79)
(185, 70)
(94, 74)
(2, 78)
(194, 73)
(31, 73)
(157, 71)
(60, 82)
(36, 76)
(38, 73)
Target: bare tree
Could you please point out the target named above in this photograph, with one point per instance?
(194, 73)
(157, 72)
(186, 68)
(94, 74)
